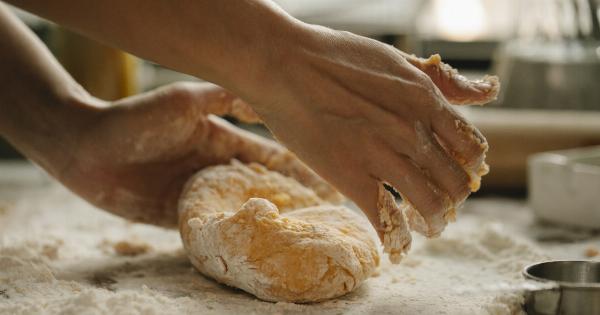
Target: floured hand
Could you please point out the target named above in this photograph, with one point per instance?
(361, 113)
(134, 156)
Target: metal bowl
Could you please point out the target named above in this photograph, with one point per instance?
(549, 75)
(574, 288)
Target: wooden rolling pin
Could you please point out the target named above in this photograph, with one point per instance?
(514, 134)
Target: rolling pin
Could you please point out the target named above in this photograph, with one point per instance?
(514, 134)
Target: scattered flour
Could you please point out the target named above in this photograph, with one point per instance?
(51, 262)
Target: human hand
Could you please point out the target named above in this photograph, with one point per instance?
(361, 113)
(134, 155)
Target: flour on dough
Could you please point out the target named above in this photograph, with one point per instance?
(268, 235)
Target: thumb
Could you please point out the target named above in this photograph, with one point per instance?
(456, 88)
(216, 100)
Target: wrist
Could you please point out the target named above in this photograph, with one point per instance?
(255, 72)
(283, 62)
(46, 126)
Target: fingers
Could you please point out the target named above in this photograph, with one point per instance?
(396, 236)
(456, 88)
(243, 112)
(463, 142)
(425, 174)
(214, 100)
(364, 191)
(253, 148)
(429, 179)
(439, 166)
(418, 191)
(385, 215)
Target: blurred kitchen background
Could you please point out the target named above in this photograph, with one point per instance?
(546, 52)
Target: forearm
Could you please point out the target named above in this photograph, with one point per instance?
(38, 99)
(226, 42)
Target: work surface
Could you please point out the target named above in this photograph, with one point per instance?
(59, 254)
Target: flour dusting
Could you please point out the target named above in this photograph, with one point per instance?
(52, 261)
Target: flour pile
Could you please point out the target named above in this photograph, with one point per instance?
(60, 255)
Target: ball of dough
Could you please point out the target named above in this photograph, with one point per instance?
(267, 234)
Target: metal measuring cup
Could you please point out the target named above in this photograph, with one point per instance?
(574, 288)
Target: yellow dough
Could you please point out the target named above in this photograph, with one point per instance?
(269, 235)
